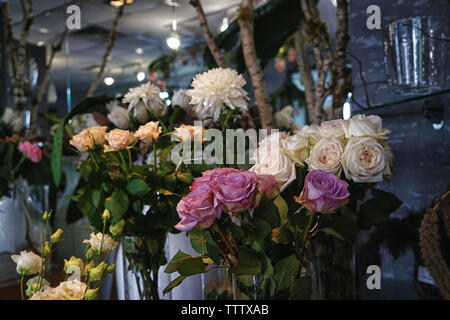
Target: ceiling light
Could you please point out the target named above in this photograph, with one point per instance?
(119, 3)
(109, 81)
(43, 30)
(40, 43)
(140, 76)
(346, 111)
(139, 51)
(224, 25)
(334, 3)
(174, 40)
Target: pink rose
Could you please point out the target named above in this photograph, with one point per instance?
(198, 209)
(268, 185)
(32, 151)
(234, 189)
(323, 192)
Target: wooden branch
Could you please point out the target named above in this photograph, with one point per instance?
(9, 37)
(111, 41)
(341, 76)
(19, 87)
(43, 86)
(245, 21)
(207, 33)
(305, 70)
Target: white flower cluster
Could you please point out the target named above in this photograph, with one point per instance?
(143, 97)
(216, 88)
(356, 147)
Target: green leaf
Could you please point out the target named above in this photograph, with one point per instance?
(185, 177)
(378, 209)
(267, 211)
(117, 204)
(284, 271)
(174, 283)
(97, 197)
(172, 265)
(137, 187)
(282, 209)
(332, 232)
(249, 262)
(302, 289)
(213, 251)
(198, 239)
(152, 246)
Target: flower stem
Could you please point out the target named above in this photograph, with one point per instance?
(21, 287)
(305, 237)
(224, 239)
(91, 154)
(124, 164)
(130, 162)
(154, 156)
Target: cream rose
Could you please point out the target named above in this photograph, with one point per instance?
(365, 160)
(118, 139)
(70, 290)
(101, 241)
(187, 132)
(140, 112)
(83, 141)
(296, 147)
(28, 263)
(46, 294)
(370, 126)
(326, 155)
(312, 132)
(97, 133)
(276, 164)
(148, 132)
(119, 117)
(332, 129)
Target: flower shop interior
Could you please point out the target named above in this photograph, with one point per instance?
(224, 150)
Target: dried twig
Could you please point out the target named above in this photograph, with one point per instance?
(245, 21)
(111, 41)
(207, 33)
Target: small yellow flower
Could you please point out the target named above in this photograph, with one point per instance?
(55, 237)
(72, 264)
(117, 228)
(111, 268)
(96, 273)
(106, 214)
(91, 294)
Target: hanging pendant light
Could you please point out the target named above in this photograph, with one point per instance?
(173, 41)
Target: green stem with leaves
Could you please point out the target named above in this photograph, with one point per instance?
(304, 240)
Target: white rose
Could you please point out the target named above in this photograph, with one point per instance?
(46, 294)
(283, 118)
(365, 160)
(332, 129)
(103, 241)
(276, 164)
(158, 106)
(97, 133)
(296, 147)
(326, 155)
(181, 99)
(140, 112)
(28, 263)
(148, 132)
(70, 290)
(119, 117)
(312, 132)
(360, 125)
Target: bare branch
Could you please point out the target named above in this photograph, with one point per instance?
(207, 33)
(111, 41)
(245, 21)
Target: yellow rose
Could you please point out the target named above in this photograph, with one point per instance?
(365, 160)
(83, 141)
(326, 155)
(148, 132)
(118, 139)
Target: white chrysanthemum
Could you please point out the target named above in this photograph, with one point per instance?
(215, 88)
(147, 94)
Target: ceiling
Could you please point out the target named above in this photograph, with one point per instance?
(145, 24)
